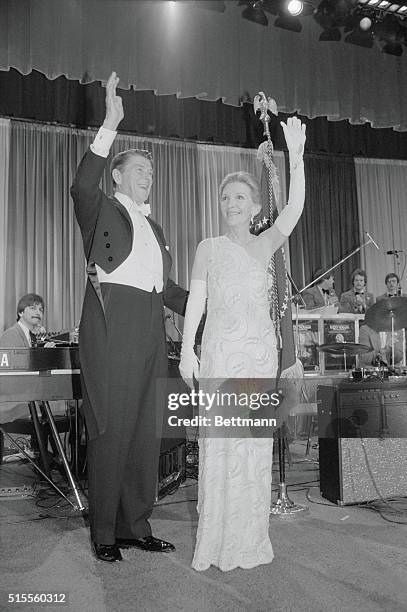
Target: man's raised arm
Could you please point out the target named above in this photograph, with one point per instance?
(85, 190)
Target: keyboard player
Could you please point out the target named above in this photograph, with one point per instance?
(24, 333)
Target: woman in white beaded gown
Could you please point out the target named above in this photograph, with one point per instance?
(230, 272)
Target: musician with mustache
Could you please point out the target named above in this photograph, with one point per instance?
(28, 329)
(357, 300)
(393, 287)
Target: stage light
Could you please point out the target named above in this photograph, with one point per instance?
(333, 13)
(330, 34)
(255, 13)
(293, 24)
(295, 7)
(389, 30)
(365, 23)
(308, 7)
(393, 49)
(360, 38)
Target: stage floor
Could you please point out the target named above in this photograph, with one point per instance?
(331, 559)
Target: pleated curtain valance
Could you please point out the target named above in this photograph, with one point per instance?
(192, 52)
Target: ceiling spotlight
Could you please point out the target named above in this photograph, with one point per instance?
(393, 49)
(360, 38)
(330, 34)
(295, 7)
(365, 23)
(293, 24)
(255, 13)
(333, 13)
(389, 29)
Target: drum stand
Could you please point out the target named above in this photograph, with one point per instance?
(284, 507)
(392, 338)
(344, 361)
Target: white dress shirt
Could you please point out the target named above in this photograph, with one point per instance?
(143, 268)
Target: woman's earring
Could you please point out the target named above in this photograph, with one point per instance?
(252, 219)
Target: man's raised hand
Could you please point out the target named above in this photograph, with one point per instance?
(114, 105)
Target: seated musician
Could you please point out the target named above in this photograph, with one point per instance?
(322, 293)
(381, 347)
(357, 300)
(393, 287)
(25, 333)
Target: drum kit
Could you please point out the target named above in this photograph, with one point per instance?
(389, 314)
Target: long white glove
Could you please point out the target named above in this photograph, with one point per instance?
(189, 364)
(294, 132)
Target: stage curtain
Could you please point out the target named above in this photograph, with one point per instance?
(382, 189)
(214, 164)
(43, 245)
(4, 165)
(329, 227)
(67, 102)
(177, 48)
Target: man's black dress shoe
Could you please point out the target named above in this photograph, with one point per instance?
(149, 543)
(109, 553)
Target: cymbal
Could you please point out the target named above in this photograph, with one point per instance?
(379, 315)
(347, 348)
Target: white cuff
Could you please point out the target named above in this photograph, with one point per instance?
(103, 141)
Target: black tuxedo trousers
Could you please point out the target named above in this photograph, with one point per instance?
(123, 461)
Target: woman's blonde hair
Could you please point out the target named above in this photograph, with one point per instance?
(248, 179)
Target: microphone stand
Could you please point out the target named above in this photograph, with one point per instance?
(340, 262)
(297, 293)
(397, 264)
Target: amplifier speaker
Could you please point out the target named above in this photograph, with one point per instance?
(172, 463)
(171, 469)
(362, 436)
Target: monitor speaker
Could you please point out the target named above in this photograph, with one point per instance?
(362, 442)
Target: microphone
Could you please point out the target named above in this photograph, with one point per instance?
(371, 240)
(394, 252)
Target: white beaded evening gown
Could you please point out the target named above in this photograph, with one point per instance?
(235, 473)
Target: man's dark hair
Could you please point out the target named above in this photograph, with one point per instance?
(120, 160)
(31, 299)
(358, 272)
(318, 272)
(391, 275)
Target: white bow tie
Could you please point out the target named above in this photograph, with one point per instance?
(145, 209)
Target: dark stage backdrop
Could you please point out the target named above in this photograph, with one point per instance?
(70, 103)
(329, 227)
(183, 49)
